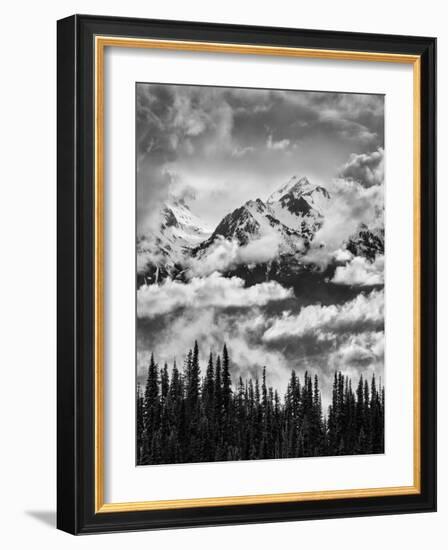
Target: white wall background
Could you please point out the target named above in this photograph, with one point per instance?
(28, 272)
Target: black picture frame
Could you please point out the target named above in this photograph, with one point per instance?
(76, 270)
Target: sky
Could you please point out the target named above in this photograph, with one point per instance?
(223, 146)
(220, 147)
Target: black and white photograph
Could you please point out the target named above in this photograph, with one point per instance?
(260, 273)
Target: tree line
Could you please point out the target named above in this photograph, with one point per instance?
(183, 417)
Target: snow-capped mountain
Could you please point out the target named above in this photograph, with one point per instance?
(163, 252)
(293, 214)
(367, 242)
(243, 224)
(299, 201)
(296, 188)
(287, 222)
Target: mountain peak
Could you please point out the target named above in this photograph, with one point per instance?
(178, 202)
(296, 186)
(255, 205)
(302, 181)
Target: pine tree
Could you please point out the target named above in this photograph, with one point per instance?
(264, 393)
(140, 424)
(208, 390)
(151, 410)
(218, 390)
(193, 377)
(316, 420)
(181, 418)
(164, 384)
(360, 408)
(226, 381)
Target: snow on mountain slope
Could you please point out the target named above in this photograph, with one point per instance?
(179, 231)
(244, 223)
(290, 212)
(276, 235)
(367, 242)
(295, 185)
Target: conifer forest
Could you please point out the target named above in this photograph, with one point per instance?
(260, 233)
(186, 416)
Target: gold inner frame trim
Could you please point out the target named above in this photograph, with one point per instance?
(101, 42)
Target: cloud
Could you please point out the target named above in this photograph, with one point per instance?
(153, 190)
(322, 339)
(342, 255)
(360, 354)
(351, 206)
(146, 257)
(212, 327)
(361, 349)
(362, 311)
(359, 117)
(211, 291)
(277, 145)
(224, 254)
(351, 350)
(360, 272)
(171, 120)
(225, 146)
(242, 151)
(347, 129)
(261, 250)
(365, 168)
(241, 139)
(221, 256)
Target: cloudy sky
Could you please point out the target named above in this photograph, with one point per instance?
(218, 148)
(223, 146)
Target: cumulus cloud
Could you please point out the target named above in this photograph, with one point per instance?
(342, 255)
(261, 250)
(153, 190)
(365, 168)
(277, 145)
(242, 151)
(211, 291)
(357, 117)
(170, 118)
(346, 337)
(351, 206)
(146, 257)
(364, 310)
(361, 349)
(216, 137)
(325, 346)
(223, 254)
(212, 327)
(360, 272)
(225, 146)
(360, 354)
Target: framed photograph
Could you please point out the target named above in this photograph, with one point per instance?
(246, 274)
